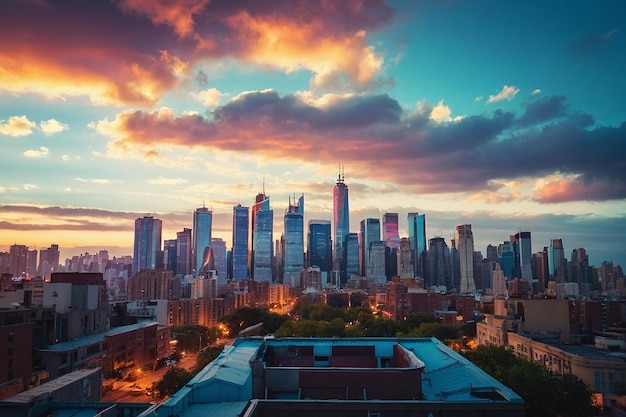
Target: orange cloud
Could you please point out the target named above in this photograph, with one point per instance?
(565, 189)
(179, 14)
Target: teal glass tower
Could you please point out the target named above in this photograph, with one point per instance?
(293, 251)
(417, 238)
(202, 226)
(320, 247)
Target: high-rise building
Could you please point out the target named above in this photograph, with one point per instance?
(351, 255)
(183, 252)
(376, 262)
(405, 265)
(263, 242)
(202, 232)
(417, 237)
(17, 259)
(169, 255)
(370, 232)
(391, 234)
(48, 260)
(506, 258)
(522, 247)
(341, 229)
(261, 203)
(439, 273)
(556, 261)
(240, 242)
(320, 247)
(580, 271)
(464, 239)
(541, 269)
(293, 247)
(218, 249)
(147, 243)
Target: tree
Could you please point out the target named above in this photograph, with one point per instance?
(173, 380)
(545, 393)
(207, 356)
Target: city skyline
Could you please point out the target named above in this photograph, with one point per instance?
(503, 116)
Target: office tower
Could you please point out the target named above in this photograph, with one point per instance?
(376, 262)
(48, 260)
(492, 253)
(17, 259)
(147, 243)
(370, 232)
(580, 271)
(4, 263)
(169, 255)
(341, 228)
(320, 247)
(151, 284)
(465, 249)
(522, 249)
(405, 264)
(417, 236)
(218, 249)
(391, 234)
(183, 252)
(439, 273)
(351, 255)
(31, 262)
(498, 281)
(556, 261)
(263, 241)
(240, 242)
(506, 257)
(202, 232)
(542, 272)
(261, 203)
(293, 246)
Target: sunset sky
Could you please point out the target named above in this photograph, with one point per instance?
(506, 115)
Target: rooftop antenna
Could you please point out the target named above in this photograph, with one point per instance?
(264, 183)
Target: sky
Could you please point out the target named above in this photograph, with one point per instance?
(507, 116)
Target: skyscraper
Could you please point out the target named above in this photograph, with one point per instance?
(351, 256)
(391, 234)
(320, 247)
(293, 251)
(370, 232)
(556, 261)
(439, 272)
(202, 232)
(417, 237)
(261, 203)
(376, 262)
(522, 247)
(218, 249)
(183, 252)
(405, 265)
(17, 259)
(464, 240)
(341, 229)
(147, 247)
(263, 244)
(240, 242)
(169, 255)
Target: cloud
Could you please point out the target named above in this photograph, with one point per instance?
(210, 97)
(42, 152)
(535, 92)
(507, 93)
(17, 126)
(52, 126)
(29, 187)
(93, 57)
(382, 141)
(561, 189)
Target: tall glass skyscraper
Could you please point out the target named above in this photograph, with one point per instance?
(556, 261)
(341, 229)
(439, 271)
(202, 225)
(183, 253)
(293, 251)
(351, 256)
(240, 242)
(218, 249)
(147, 246)
(169, 255)
(320, 247)
(391, 234)
(523, 255)
(370, 232)
(263, 241)
(464, 239)
(417, 237)
(261, 203)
